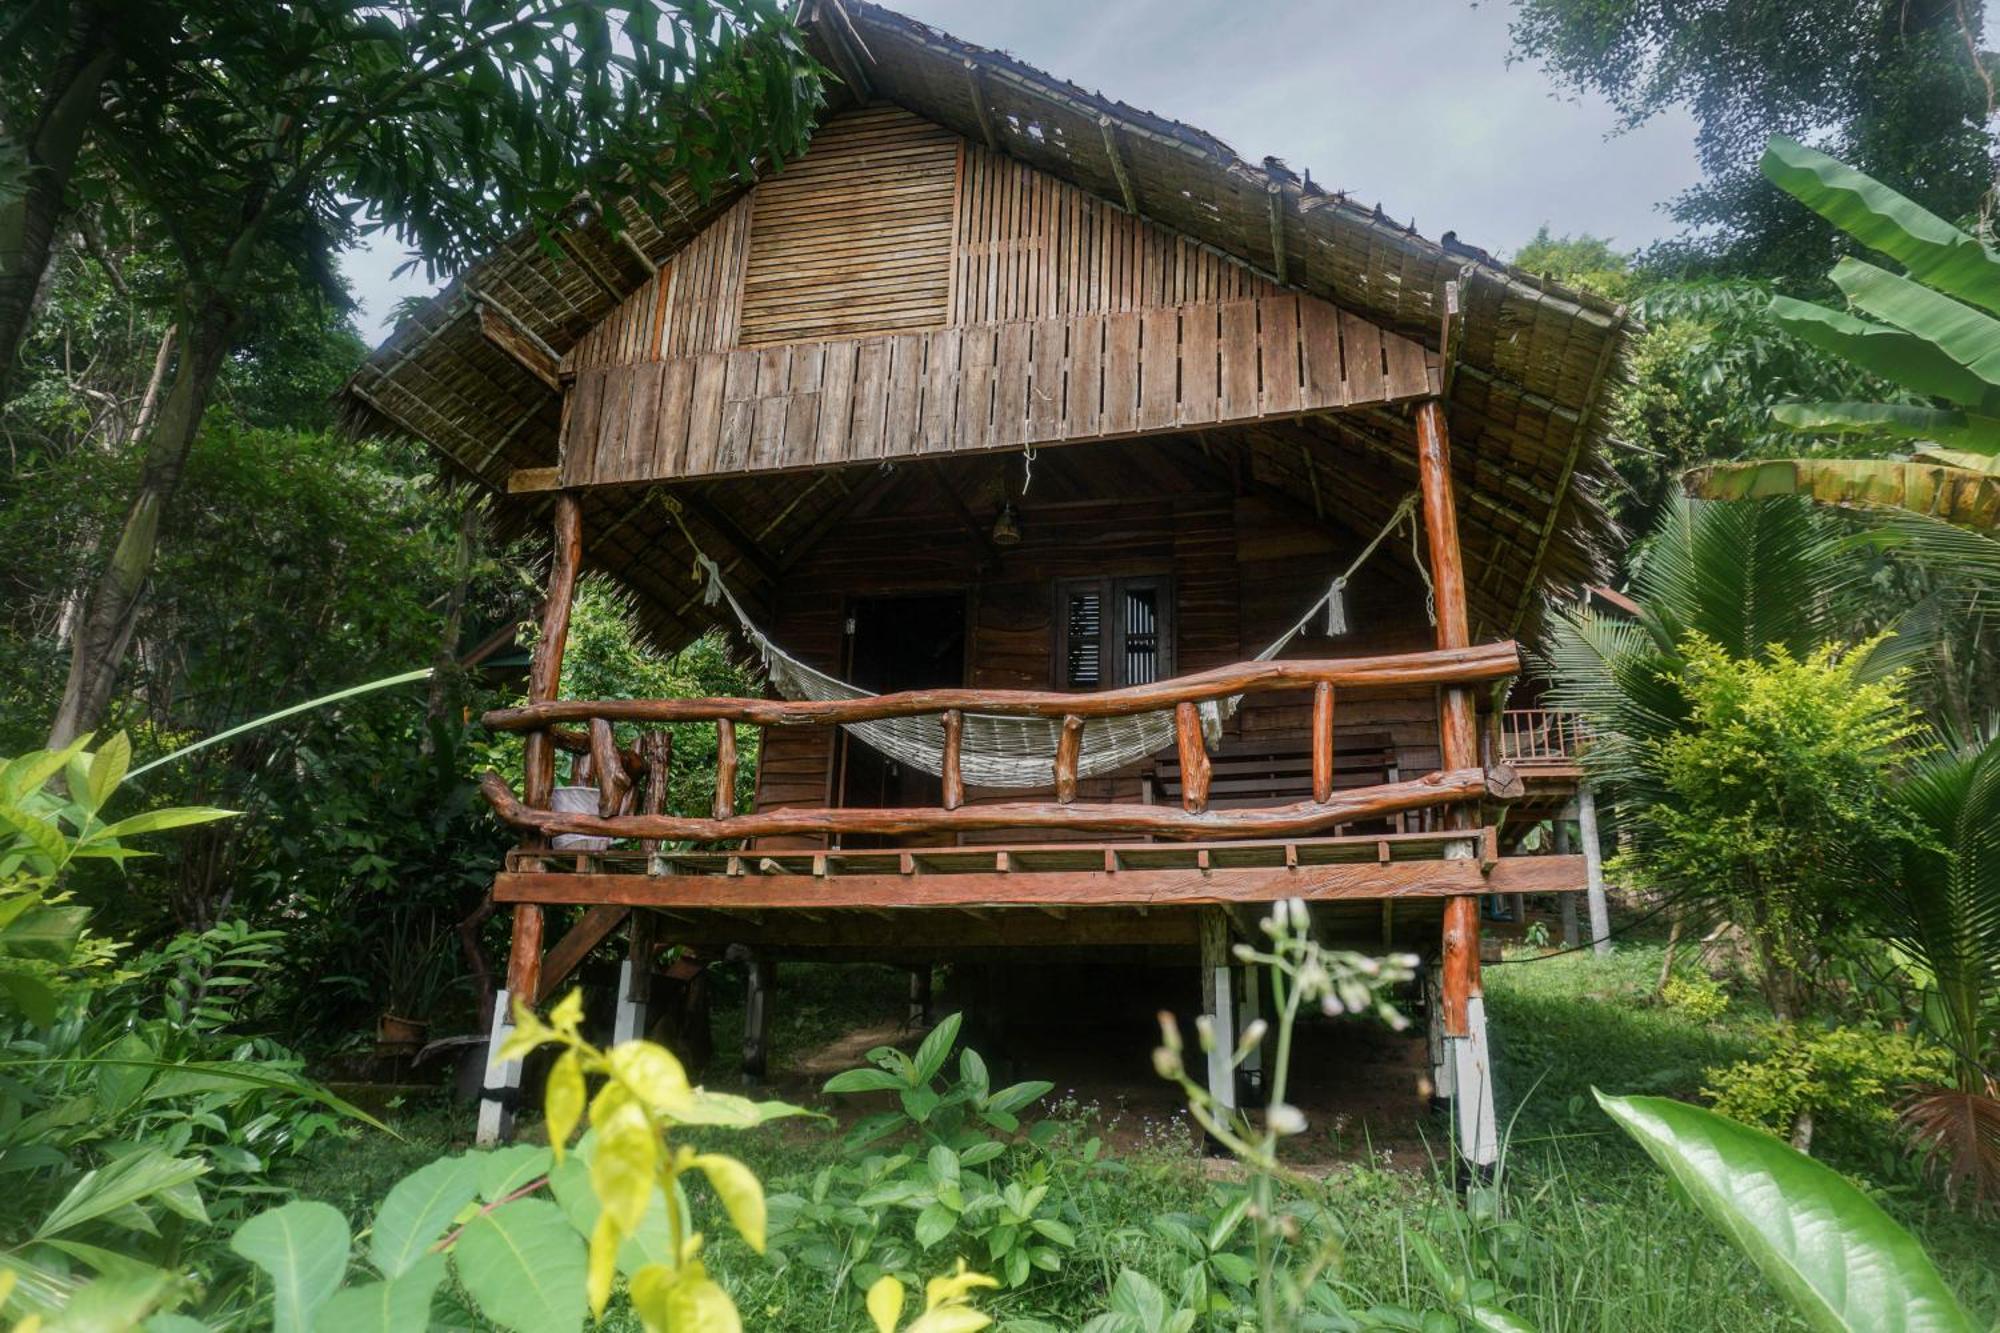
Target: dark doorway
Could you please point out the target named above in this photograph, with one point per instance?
(898, 643)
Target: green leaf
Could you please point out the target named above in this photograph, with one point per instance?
(1932, 249)
(1844, 1265)
(1969, 337)
(525, 1266)
(157, 821)
(1913, 362)
(28, 772)
(936, 1048)
(417, 1211)
(48, 934)
(120, 1085)
(112, 1303)
(934, 1223)
(303, 1246)
(110, 1188)
(107, 770)
(503, 1171)
(31, 996)
(1962, 430)
(398, 1305)
(863, 1080)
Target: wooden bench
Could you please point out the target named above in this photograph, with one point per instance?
(1275, 770)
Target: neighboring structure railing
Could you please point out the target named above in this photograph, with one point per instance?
(1541, 737)
(621, 774)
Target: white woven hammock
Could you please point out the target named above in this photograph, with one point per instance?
(1021, 751)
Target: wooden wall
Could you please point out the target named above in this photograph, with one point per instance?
(1244, 567)
(898, 290)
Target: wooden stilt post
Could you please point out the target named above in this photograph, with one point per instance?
(763, 978)
(1593, 869)
(1570, 932)
(1218, 1003)
(1441, 1084)
(538, 777)
(1464, 1010)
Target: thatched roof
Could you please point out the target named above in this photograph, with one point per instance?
(1531, 361)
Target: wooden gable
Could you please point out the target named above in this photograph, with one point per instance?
(899, 290)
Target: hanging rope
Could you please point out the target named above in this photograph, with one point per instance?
(1018, 751)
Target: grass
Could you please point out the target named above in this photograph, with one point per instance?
(1595, 1238)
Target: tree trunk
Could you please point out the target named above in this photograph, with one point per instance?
(112, 612)
(28, 224)
(1667, 963)
(454, 616)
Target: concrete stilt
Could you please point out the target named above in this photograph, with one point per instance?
(1218, 1002)
(757, 1019)
(1593, 868)
(503, 1079)
(1571, 933)
(1473, 1121)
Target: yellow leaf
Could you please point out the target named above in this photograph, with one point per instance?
(604, 1242)
(651, 1072)
(682, 1300)
(885, 1303)
(562, 1102)
(567, 1016)
(740, 1192)
(623, 1164)
(954, 1290)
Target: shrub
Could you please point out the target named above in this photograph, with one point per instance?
(1697, 995)
(1844, 1079)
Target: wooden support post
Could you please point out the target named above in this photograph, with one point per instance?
(763, 978)
(1441, 1087)
(613, 783)
(1570, 932)
(503, 1078)
(1218, 1003)
(1593, 869)
(657, 749)
(725, 769)
(1322, 742)
(954, 781)
(1464, 1010)
(524, 958)
(538, 757)
(1193, 756)
(1116, 152)
(1069, 753)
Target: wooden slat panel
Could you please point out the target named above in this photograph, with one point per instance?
(836, 402)
(1121, 373)
(1199, 389)
(1239, 360)
(1045, 389)
(1159, 369)
(906, 380)
(1278, 331)
(856, 236)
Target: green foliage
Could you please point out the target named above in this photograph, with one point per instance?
(1774, 803)
(1892, 89)
(1585, 262)
(1847, 1080)
(932, 1173)
(1840, 1261)
(1697, 995)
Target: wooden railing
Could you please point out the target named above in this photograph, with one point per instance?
(1540, 737)
(618, 772)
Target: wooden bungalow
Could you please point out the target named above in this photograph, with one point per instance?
(1017, 426)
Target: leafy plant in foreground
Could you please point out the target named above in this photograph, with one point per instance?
(926, 1174)
(1838, 1259)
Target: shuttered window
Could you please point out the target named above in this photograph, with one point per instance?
(1113, 632)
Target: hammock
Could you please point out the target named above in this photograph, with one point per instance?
(1021, 751)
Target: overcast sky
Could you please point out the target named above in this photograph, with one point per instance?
(1410, 104)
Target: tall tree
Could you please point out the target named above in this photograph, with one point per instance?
(258, 134)
(1898, 88)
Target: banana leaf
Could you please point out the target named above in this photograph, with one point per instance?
(1957, 495)
(1934, 251)
(1969, 337)
(1966, 431)
(1913, 362)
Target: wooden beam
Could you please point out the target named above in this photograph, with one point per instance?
(534, 480)
(575, 946)
(1116, 152)
(545, 665)
(1298, 818)
(1453, 666)
(1451, 335)
(1276, 194)
(507, 333)
(1362, 881)
(977, 91)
